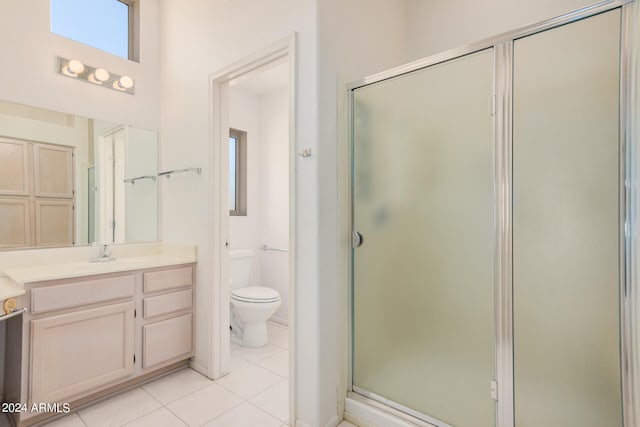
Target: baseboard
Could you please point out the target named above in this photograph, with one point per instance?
(357, 421)
(199, 368)
(332, 423)
(279, 320)
(368, 413)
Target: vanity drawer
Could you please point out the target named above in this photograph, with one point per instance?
(168, 279)
(57, 297)
(167, 303)
(167, 340)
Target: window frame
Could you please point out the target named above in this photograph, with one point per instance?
(133, 31)
(241, 172)
(134, 28)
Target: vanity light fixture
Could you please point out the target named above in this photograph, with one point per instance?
(95, 75)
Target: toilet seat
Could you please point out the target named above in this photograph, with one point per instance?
(255, 294)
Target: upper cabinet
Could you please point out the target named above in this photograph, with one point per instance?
(37, 197)
(14, 167)
(53, 170)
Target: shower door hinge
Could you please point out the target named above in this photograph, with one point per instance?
(494, 389)
(492, 105)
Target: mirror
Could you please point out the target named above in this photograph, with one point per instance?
(71, 180)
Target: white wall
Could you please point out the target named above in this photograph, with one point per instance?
(244, 231)
(438, 25)
(356, 38)
(29, 75)
(141, 200)
(274, 195)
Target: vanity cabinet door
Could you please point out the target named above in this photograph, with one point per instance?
(81, 351)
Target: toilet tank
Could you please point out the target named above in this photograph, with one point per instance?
(240, 267)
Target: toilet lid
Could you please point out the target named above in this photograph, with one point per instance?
(255, 294)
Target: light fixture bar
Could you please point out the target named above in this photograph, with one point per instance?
(75, 69)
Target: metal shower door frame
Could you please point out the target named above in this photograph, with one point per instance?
(502, 46)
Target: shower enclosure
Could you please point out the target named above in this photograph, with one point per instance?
(493, 200)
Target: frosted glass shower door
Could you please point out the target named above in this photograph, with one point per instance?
(423, 316)
(566, 226)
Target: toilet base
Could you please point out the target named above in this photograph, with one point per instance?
(255, 335)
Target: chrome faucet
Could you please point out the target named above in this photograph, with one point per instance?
(105, 255)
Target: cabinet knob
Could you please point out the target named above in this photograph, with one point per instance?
(9, 305)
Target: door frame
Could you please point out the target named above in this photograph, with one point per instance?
(359, 407)
(219, 342)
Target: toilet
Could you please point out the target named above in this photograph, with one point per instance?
(251, 306)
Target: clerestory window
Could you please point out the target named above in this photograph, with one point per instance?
(107, 25)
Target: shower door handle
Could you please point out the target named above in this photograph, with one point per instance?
(356, 240)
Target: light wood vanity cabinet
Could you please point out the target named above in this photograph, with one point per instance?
(167, 333)
(93, 333)
(76, 352)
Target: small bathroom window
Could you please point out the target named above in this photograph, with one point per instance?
(108, 25)
(237, 172)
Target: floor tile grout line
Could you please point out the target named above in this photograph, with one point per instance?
(264, 391)
(81, 419)
(271, 370)
(188, 394)
(263, 367)
(222, 413)
(253, 395)
(151, 395)
(177, 416)
(157, 409)
(146, 413)
(212, 382)
(265, 411)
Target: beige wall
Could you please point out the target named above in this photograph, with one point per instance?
(438, 25)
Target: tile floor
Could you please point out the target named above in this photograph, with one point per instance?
(254, 394)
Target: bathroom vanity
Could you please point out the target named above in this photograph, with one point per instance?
(93, 328)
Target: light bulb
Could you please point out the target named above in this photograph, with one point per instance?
(73, 68)
(123, 83)
(99, 76)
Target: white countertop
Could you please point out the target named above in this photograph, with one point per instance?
(9, 288)
(37, 273)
